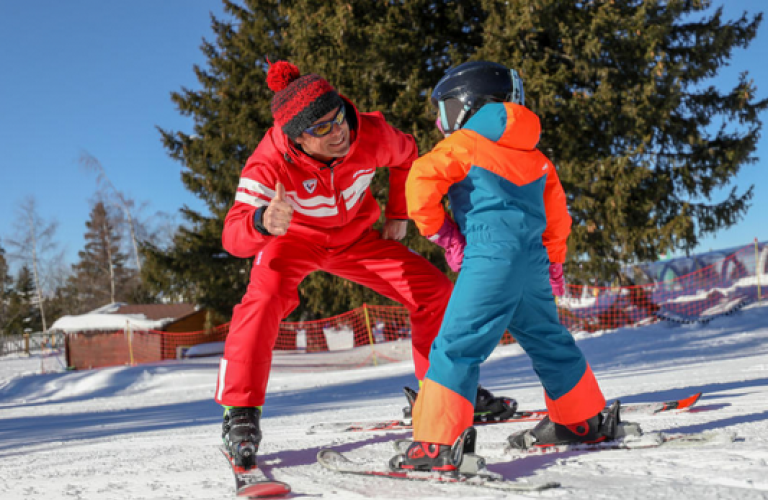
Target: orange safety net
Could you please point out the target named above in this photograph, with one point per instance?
(98, 348)
(362, 326)
(683, 290)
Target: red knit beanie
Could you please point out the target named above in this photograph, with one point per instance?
(299, 101)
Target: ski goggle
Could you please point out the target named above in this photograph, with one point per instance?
(324, 128)
(447, 110)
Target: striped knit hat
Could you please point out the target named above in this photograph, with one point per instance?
(299, 101)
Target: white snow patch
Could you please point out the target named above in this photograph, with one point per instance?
(152, 431)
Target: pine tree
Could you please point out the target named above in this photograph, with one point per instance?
(641, 141)
(23, 310)
(6, 283)
(66, 300)
(100, 276)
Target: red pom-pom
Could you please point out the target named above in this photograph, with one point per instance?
(281, 74)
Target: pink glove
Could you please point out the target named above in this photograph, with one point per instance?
(556, 279)
(450, 238)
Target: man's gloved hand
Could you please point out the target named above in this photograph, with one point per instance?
(278, 215)
(450, 238)
(556, 279)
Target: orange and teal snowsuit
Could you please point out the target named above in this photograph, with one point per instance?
(507, 200)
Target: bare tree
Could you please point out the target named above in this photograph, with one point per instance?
(111, 259)
(33, 243)
(159, 228)
(90, 163)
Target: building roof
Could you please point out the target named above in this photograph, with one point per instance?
(120, 316)
(158, 311)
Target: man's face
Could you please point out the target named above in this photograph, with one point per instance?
(333, 145)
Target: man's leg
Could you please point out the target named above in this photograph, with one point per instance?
(392, 270)
(272, 294)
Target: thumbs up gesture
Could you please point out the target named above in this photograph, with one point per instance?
(278, 215)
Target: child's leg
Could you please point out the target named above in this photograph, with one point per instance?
(475, 320)
(571, 390)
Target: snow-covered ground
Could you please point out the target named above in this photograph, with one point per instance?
(153, 431)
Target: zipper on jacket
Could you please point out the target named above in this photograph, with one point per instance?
(338, 195)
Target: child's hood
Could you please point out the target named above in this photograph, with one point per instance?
(508, 124)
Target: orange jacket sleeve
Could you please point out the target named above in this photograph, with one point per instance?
(430, 178)
(555, 236)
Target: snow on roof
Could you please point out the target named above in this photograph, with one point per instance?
(105, 319)
(107, 322)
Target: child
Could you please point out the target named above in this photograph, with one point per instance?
(509, 240)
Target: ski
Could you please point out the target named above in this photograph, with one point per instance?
(338, 462)
(630, 441)
(520, 416)
(252, 483)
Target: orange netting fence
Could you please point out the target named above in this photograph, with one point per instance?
(684, 290)
(692, 289)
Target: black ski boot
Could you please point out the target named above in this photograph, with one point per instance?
(410, 395)
(442, 458)
(241, 435)
(601, 427)
(488, 408)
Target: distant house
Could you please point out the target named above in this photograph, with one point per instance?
(119, 316)
(118, 334)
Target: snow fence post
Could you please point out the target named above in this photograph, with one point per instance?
(370, 334)
(130, 341)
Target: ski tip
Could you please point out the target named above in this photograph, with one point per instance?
(681, 404)
(689, 401)
(264, 489)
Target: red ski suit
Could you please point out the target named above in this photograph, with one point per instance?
(331, 230)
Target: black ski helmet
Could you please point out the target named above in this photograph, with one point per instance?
(469, 86)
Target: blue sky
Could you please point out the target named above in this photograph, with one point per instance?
(96, 76)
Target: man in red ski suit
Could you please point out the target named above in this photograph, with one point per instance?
(304, 204)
